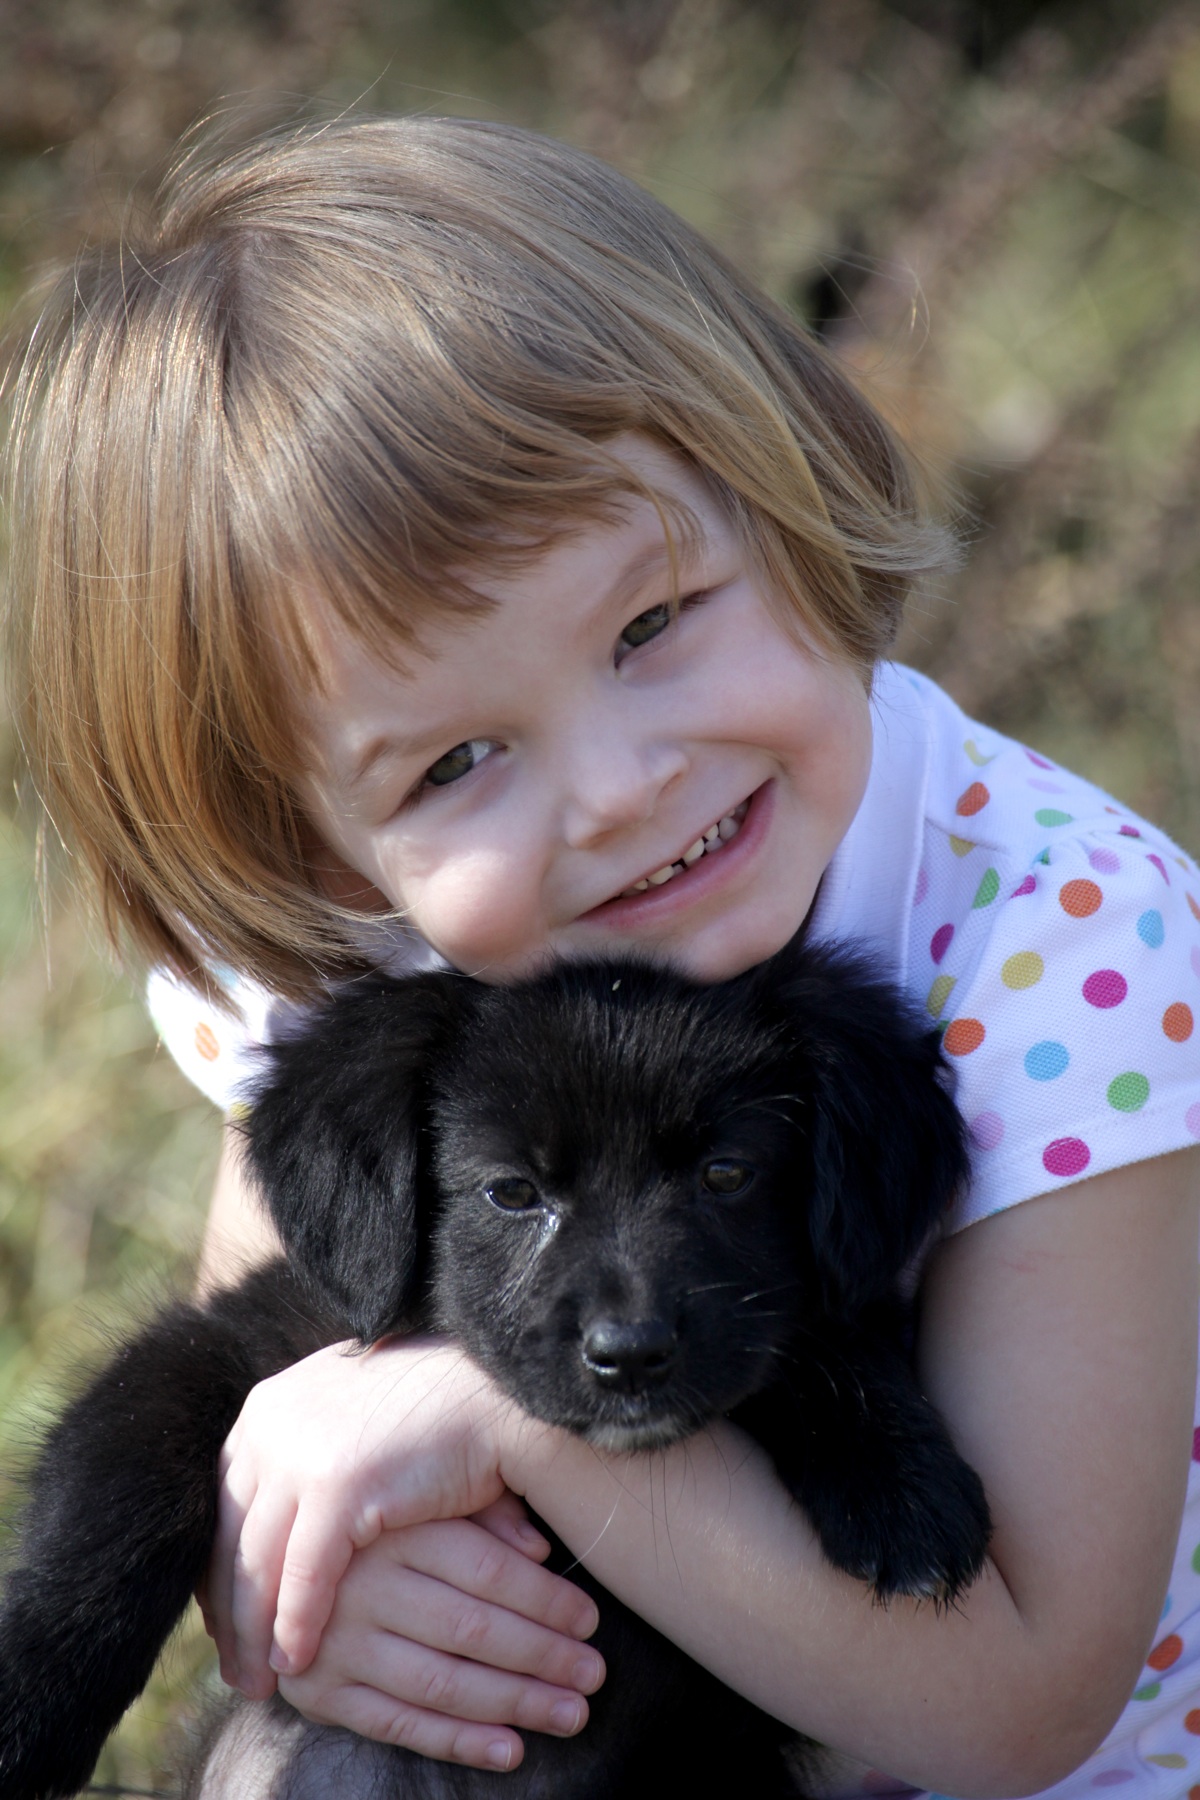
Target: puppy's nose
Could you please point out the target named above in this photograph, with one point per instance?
(632, 1356)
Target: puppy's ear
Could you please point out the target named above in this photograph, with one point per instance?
(334, 1141)
(888, 1144)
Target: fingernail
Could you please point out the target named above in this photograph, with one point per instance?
(529, 1534)
(588, 1623)
(499, 1754)
(279, 1661)
(587, 1674)
(566, 1717)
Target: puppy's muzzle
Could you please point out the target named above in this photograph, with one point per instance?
(629, 1358)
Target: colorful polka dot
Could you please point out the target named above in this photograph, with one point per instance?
(1024, 970)
(1191, 1119)
(987, 1130)
(1169, 1759)
(1196, 1458)
(922, 887)
(987, 890)
(1047, 1061)
(1167, 1651)
(1129, 1092)
(963, 1036)
(1105, 988)
(939, 993)
(1050, 815)
(1080, 899)
(1028, 886)
(1066, 1156)
(1151, 930)
(1105, 862)
(972, 800)
(1178, 1023)
(961, 846)
(940, 942)
(1047, 787)
(1151, 1691)
(1195, 910)
(1191, 1721)
(1038, 761)
(1160, 865)
(979, 757)
(1129, 831)
(206, 1042)
(1195, 959)
(1111, 1777)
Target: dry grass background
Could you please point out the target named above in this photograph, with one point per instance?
(990, 209)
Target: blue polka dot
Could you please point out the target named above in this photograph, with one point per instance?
(1150, 928)
(1166, 1609)
(1047, 1060)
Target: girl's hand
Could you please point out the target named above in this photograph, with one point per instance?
(433, 1643)
(324, 1457)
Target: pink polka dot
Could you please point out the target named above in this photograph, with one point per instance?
(1040, 761)
(1105, 988)
(939, 943)
(987, 1130)
(1105, 862)
(1028, 886)
(1195, 959)
(1129, 831)
(1111, 1777)
(1191, 1119)
(1160, 865)
(922, 887)
(1066, 1156)
(1046, 787)
(1196, 1444)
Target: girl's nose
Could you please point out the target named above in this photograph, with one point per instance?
(613, 784)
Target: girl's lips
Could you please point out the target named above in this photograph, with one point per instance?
(658, 904)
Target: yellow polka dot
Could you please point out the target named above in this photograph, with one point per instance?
(962, 846)
(1169, 1761)
(1023, 970)
(939, 993)
(239, 1112)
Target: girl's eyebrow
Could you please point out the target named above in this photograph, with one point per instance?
(691, 544)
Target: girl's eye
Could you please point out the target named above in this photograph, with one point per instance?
(647, 625)
(457, 762)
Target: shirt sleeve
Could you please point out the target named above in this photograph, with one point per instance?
(1072, 1033)
(215, 1049)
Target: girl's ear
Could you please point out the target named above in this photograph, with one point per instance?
(888, 1145)
(335, 1142)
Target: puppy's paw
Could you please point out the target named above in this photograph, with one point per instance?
(925, 1536)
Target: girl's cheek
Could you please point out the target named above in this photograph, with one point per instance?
(479, 909)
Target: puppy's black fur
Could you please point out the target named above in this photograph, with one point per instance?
(639, 1203)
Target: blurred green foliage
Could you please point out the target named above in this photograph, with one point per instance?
(990, 210)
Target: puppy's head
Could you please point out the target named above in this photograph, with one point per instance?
(623, 1191)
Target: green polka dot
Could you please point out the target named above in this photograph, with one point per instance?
(939, 993)
(1128, 1092)
(987, 890)
(1196, 1559)
(1050, 815)
(1023, 970)
(1151, 1691)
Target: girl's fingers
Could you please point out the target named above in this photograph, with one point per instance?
(254, 1578)
(388, 1721)
(318, 1552)
(508, 1519)
(471, 1562)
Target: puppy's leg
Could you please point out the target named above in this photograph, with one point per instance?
(871, 1462)
(119, 1527)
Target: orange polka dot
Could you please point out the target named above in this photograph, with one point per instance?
(963, 1036)
(1194, 1793)
(973, 801)
(1192, 1721)
(1178, 1022)
(206, 1042)
(1195, 909)
(1166, 1653)
(1080, 898)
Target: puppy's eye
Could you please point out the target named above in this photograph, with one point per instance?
(724, 1176)
(512, 1194)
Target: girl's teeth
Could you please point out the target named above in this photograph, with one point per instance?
(711, 840)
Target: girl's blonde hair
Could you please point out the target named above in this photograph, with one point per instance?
(371, 358)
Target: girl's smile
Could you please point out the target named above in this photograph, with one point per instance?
(585, 767)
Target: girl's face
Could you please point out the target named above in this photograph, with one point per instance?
(541, 781)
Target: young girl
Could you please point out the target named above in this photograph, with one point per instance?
(427, 548)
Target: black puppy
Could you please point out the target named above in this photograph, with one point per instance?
(639, 1203)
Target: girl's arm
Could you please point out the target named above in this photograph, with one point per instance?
(1059, 1341)
(238, 1235)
